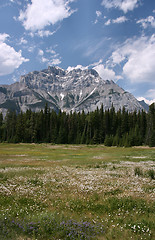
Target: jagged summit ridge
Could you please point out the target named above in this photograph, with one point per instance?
(74, 90)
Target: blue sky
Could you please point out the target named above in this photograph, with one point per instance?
(115, 37)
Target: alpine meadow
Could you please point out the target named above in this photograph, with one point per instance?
(76, 192)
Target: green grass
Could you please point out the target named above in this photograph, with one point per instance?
(76, 192)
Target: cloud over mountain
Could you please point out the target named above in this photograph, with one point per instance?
(105, 73)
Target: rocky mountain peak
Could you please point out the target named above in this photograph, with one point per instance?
(74, 90)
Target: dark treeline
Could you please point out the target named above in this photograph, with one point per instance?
(99, 127)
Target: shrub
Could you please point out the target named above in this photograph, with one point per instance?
(151, 173)
(108, 141)
(138, 171)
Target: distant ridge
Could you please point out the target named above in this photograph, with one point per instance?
(144, 105)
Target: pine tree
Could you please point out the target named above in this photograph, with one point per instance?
(124, 122)
(10, 127)
(150, 138)
(46, 121)
(107, 122)
(20, 128)
(101, 127)
(1, 128)
(143, 125)
(53, 127)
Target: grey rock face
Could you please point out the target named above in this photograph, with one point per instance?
(74, 90)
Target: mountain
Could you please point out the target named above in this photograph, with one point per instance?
(74, 90)
(144, 105)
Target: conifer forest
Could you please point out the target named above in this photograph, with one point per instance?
(108, 127)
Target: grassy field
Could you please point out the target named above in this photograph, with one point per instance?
(76, 192)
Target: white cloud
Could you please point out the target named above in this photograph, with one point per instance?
(16, 1)
(3, 37)
(128, 5)
(41, 13)
(49, 56)
(55, 61)
(121, 19)
(43, 59)
(118, 56)
(31, 48)
(50, 50)
(124, 5)
(108, 22)
(45, 33)
(137, 56)
(77, 67)
(98, 14)
(9, 59)
(105, 73)
(118, 20)
(96, 63)
(40, 52)
(92, 65)
(146, 22)
(23, 41)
